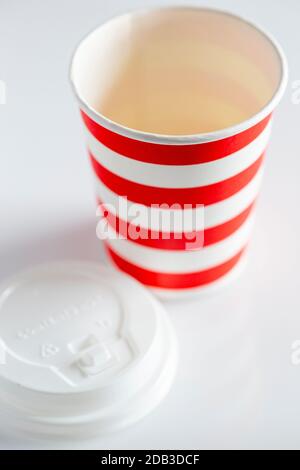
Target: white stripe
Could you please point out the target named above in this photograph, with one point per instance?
(167, 261)
(183, 176)
(154, 218)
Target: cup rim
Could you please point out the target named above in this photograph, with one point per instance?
(152, 137)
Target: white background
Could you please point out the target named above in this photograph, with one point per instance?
(236, 385)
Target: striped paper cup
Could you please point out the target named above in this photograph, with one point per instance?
(177, 104)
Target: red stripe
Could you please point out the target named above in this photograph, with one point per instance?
(173, 154)
(167, 241)
(175, 281)
(149, 195)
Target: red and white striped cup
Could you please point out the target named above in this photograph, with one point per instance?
(177, 105)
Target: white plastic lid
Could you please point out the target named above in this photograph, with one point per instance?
(84, 349)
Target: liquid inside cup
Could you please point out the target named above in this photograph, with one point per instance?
(177, 71)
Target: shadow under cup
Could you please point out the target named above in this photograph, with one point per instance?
(177, 105)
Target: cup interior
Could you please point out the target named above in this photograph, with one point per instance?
(178, 71)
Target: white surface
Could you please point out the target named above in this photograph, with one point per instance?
(85, 350)
(236, 385)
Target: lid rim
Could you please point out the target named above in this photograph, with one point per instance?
(74, 410)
